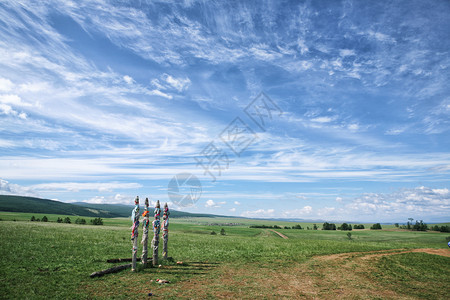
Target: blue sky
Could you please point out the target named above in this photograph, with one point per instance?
(101, 101)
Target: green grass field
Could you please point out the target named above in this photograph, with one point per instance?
(50, 260)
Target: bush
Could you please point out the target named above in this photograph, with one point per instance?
(297, 226)
(287, 227)
(59, 220)
(80, 221)
(360, 226)
(376, 226)
(349, 235)
(33, 219)
(44, 219)
(222, 231)
(315, 227)
(67, 220)
(420, 226)
(97, 221)
(328, 226)
(213, 233)
(345, 226)
(276, 227)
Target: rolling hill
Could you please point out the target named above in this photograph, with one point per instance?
(37, 205)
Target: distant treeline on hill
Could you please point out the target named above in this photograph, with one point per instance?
(13, 203)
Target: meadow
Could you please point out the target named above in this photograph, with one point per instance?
(54, 260)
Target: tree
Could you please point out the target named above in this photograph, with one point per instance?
(59, 220)
(33, 219)
(315, 227)
(420, 226)
(67, 220)
(396, 225)
(44, 219)
(287, 227)
(345, 226)
(213, 233)
(297, 226)
(328, 226)
(376, 226)
(222, 231)
(349, 235)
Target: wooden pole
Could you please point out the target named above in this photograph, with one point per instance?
(165, 230)
(144, 241)
(110, 270)
(156, 228)
(135, 232)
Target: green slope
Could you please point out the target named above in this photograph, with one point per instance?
(37, 205)
(125, 210)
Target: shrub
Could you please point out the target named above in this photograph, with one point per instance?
(276, 227)
(222, 231)
(97, 221)
(59, 220)
(213, 233)
(360, 226)
(67, 220)
(376, 226)
(44, 219)
(349, 235)
(287, 227)
(33, 219)
(80, 221)
(297, 226)
(315, 227)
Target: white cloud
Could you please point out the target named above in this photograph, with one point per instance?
(323, 119)
(237, 203)
(298, 213)
(81, 186)
(128, 79)
(259, 213)
(401, 204)
(180, 84)
(210, 203)
(347, 52)
(338, 199)
(5, 85)
(232, 209)
(7, 188)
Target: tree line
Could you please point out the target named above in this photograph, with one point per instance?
(67, 220)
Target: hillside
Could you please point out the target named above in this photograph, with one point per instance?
(125, 210)
(36, 205)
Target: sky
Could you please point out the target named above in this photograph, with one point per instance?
(318, 110)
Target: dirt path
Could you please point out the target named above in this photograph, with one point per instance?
(279, 233)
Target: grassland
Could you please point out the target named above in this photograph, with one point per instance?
(50, 260)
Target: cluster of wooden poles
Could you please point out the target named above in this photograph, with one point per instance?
(156, 224)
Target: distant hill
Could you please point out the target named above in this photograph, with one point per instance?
(125, 210)
(37, 205)
(46, 206)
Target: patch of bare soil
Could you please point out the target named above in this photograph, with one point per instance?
(279, 233)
